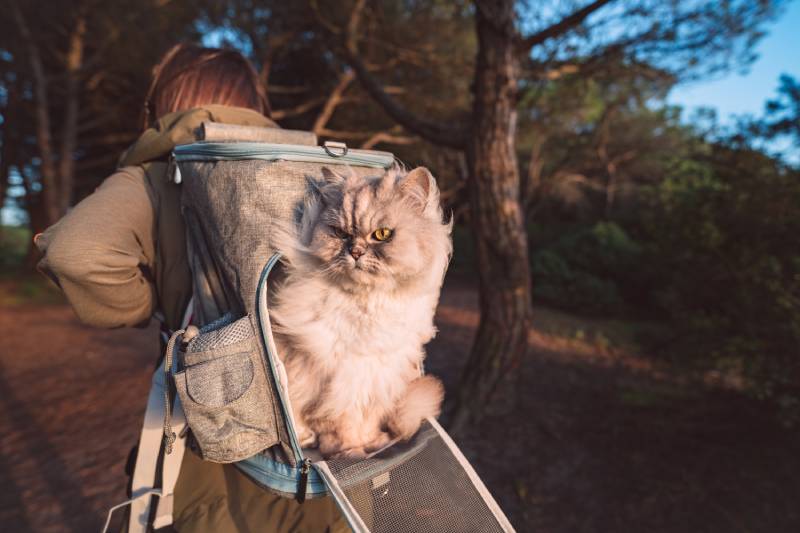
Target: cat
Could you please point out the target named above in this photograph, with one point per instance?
(364, 268)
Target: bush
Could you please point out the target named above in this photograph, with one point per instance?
(723, 248)
(14, 242)
(586, 269)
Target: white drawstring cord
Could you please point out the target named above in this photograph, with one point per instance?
(151, 492)
(169, 435)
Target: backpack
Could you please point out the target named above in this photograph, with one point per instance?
(222, 390)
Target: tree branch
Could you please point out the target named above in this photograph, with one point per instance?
(305, 107)
(437, 133)
(343, 135)
(286, 89)
(388, 137)
(275, 45)
(562, 26)
(334, 99)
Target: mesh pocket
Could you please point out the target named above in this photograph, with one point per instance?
(424, 485)
(217, 335)
(225, 392)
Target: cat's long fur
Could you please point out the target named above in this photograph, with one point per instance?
(351, 331)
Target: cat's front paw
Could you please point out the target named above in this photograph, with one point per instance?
(380, 442)
(331, 446)
(351, 453)
(307, 438)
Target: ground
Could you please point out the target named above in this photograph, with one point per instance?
(596, 438)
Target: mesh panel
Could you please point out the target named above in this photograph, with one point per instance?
(419, 486)
(230, 334)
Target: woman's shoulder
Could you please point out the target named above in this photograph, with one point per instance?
(149, 178)
(133, 175)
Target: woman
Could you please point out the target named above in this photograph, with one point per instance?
(120, 257)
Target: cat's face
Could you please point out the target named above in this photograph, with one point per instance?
(372, 232)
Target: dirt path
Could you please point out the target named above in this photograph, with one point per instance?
(591, 444)
(71, 403)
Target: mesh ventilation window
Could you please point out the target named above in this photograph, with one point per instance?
(420, 486)
(224, 336)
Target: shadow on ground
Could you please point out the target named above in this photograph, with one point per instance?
(587, 444)
(600, 442)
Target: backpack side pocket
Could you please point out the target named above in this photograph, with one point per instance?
(224, 390)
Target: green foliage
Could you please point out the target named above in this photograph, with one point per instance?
(14, 242)
(18, 287)
(722, 233)
(584, 269)
(463, 260)
(783, 112)
(710, 249)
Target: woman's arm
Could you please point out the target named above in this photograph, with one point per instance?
(101, 252)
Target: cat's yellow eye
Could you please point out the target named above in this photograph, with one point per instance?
(381, 234)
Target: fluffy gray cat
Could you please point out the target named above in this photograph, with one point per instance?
(364, 269)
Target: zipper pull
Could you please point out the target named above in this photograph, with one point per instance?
(173, 170)
(301, 489)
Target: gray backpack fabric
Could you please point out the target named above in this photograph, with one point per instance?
(236, 185)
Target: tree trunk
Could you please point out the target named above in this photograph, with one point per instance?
(497, 216)
(532, 183)
(495, 197)
(49, 193)
(5, 138)
(69, 140)
(37, 218)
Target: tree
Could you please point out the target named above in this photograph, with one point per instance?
(68, 73)
(312, 89)
(442, 80)
(686, 39)
(591, 142)
(730, 279)
(783, 111)
(56, 170)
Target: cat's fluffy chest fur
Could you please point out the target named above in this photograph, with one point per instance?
(364, 347)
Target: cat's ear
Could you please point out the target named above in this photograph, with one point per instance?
(331, 177)
(418, 185)
(329, 188)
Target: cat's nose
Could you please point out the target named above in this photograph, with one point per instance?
(356, 252)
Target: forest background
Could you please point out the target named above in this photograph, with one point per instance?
(576, 188)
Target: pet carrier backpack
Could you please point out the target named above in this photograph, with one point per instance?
(231, 401)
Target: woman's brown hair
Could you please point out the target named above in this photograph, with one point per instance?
(189, 76)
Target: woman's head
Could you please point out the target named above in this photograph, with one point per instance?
(189, 76)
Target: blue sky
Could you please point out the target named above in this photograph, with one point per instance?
(737, 93)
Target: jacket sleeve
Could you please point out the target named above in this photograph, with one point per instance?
(102, 252)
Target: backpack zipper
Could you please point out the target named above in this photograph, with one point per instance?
(301, 489)
(203, 151)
